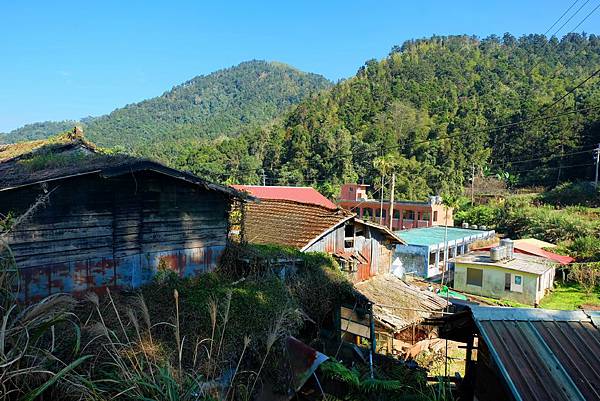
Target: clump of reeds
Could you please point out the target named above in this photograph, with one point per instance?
(30, 362)
(140, 369)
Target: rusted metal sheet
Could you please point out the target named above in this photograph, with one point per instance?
(79, 277)
(117, 233)
(304, 361)
(543, 355)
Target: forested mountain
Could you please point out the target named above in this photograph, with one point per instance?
(35, 131)
(427, 112)
(218, 104)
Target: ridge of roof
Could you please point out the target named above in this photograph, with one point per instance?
(305, 194)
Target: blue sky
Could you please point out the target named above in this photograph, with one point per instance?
(70, 59)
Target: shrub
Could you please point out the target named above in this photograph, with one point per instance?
(572, 193)
(481, 215)
(585, 249)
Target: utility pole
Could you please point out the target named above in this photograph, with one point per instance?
(381, 203)
(596, 162)
(472, 184)
(391, 211)
(264, 177)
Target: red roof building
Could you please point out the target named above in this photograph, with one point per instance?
(307, 195)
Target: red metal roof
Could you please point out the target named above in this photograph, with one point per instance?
(297, 194)
(530, 249)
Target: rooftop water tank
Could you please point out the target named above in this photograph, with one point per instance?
(510, 247)
(495, 254)
(465, 225)
(483, 228)
(474, 226)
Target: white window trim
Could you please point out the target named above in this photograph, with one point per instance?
(514, 287)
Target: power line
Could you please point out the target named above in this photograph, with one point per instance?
(554, 168)
(570, 91)
(450, 136)
(559, 18)
(541, 158)
(586, 17)
(460, 134)
(571, 17)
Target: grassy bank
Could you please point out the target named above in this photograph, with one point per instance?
(570, 296)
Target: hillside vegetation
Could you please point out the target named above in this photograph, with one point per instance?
(432, 111)
(218, 104)
(405, 107)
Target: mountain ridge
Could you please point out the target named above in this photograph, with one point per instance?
(205, 106)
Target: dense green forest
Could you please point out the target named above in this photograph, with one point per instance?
(218, 104)
(433, 111)
(396, 113)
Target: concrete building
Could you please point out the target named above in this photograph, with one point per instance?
(406, 215)
(423, 254)
(522, 278)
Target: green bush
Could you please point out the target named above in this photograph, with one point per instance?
(585, 249)
(481, 215)
(572, 193)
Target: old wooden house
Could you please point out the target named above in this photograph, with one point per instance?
(83, 219)
(303, 219)
(363, 249)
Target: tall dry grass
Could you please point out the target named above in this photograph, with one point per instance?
(137, 367)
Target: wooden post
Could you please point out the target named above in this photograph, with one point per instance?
(391, 212)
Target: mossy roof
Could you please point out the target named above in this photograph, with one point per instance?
(68, 155)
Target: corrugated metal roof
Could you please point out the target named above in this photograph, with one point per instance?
(435, 235)
(297, 194)
(542, 354)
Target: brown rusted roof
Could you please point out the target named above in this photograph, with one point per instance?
(398, 304)
(289, 223)
(70, 155)
(543, 354)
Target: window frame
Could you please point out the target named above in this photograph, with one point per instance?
(479, 272)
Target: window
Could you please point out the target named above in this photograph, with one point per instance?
(377, 211)
(432, 258)
(435, 215)
(517, 285)
(408, 214)
(426, 216)
(396, 214)
(507, 279)
(367, 213)
(349, 236)
(475, 277)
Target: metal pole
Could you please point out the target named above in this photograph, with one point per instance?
(391, 211)
(381, 203)
(597, 162)
(472, 184)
